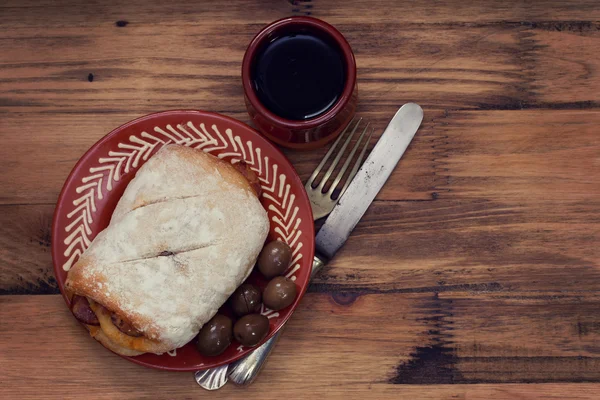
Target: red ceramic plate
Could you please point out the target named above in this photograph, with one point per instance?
(95, 185)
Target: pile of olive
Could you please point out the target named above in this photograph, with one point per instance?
(251, 327)
(273, 260)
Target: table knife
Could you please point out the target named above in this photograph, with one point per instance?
(347, 213)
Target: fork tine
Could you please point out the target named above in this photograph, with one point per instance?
(338, 156)
(357, 165)
(340, 174)
(317, 170)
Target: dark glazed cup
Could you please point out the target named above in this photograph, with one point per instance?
(309, 133)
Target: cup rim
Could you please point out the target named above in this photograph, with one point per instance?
(347, 54)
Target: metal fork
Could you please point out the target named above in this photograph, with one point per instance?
(322, 202)
(244, 371)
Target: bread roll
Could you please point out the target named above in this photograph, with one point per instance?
(184, 235)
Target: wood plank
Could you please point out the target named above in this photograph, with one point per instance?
(566, 66)
(420, 175)
(65, 137)
(442, 66)
(199, 67)
(456, 11)
(52, 13)
(396, 342)
(525, 157)
(444, 245)
(510, 337)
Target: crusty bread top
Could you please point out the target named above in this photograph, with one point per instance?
(190, 204)
(177, 172)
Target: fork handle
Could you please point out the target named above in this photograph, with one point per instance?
(245, 370)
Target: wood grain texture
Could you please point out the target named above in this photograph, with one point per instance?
(506, 190)
(25, 236)
(355, 344)
(475, 273)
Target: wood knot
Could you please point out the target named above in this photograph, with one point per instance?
(344, 298)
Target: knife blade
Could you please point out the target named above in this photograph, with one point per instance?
(369, 180)
(337, 228)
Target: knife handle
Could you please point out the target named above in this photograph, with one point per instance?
(245, 370)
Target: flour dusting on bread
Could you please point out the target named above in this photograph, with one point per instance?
(185, 234)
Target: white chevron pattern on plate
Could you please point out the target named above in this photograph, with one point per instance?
(281, 207)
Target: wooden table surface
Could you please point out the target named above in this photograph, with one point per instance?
(475, 273)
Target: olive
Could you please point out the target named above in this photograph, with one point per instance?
(274, 259)
(251, 329)
(245, 300)
(215, 336)
(279, 293)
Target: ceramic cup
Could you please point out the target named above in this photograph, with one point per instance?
(308, 133)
